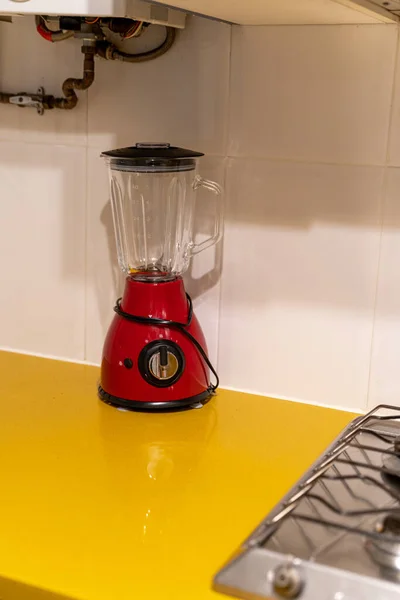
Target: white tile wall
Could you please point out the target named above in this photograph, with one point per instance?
(104, 280)
(394, 138)
(27, 61)
(385, 371)
(56, 169)
(182, 96)
(299, 279)
(312, 93)
(302, 300)
(42, 248)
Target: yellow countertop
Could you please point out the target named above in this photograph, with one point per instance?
(101, 504)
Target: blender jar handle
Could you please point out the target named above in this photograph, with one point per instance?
(217, 190)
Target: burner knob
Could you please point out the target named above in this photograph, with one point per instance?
(287, 582)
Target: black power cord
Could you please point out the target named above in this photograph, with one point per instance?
(176, 325)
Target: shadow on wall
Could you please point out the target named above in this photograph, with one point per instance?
(308, 231)
(303, 234)
(284, 195)
(167, 99)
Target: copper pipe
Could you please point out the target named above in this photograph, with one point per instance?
(5, 98)
(71, 84)
(103, 49)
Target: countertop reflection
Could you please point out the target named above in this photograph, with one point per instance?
(103, 504)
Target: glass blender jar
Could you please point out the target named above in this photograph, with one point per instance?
(155, 354)
(153, 193)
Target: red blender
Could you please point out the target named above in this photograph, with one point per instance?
(155, 354)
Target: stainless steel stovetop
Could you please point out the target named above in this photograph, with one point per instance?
(336, 534)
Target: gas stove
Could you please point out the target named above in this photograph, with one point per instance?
(336, 534)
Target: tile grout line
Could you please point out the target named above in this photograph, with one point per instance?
(86, 253)
(291, 160)
(299, 161)
(382, 215)
(295, 400)
(83, 363)
(376, 291)
(221, 283)
(229, 111)
(225, 163)
(66, 359)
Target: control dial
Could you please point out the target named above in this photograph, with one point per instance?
(287, 582)
(161, 363)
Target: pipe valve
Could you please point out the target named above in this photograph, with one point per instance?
(25, 100)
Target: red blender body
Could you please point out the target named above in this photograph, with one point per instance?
(155, 354)
(132, 348)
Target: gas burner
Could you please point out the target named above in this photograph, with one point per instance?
(327, 524)
(386, 551)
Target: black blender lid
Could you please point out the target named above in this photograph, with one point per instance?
(152, 151)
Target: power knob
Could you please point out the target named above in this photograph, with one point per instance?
(161, 363)
(287, 581)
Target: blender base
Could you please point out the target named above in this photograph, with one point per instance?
(148, 406)
(150, 316)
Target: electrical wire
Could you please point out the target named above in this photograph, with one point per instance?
(134, 30)
(89, 22)
(181, 327)
(48, 34)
